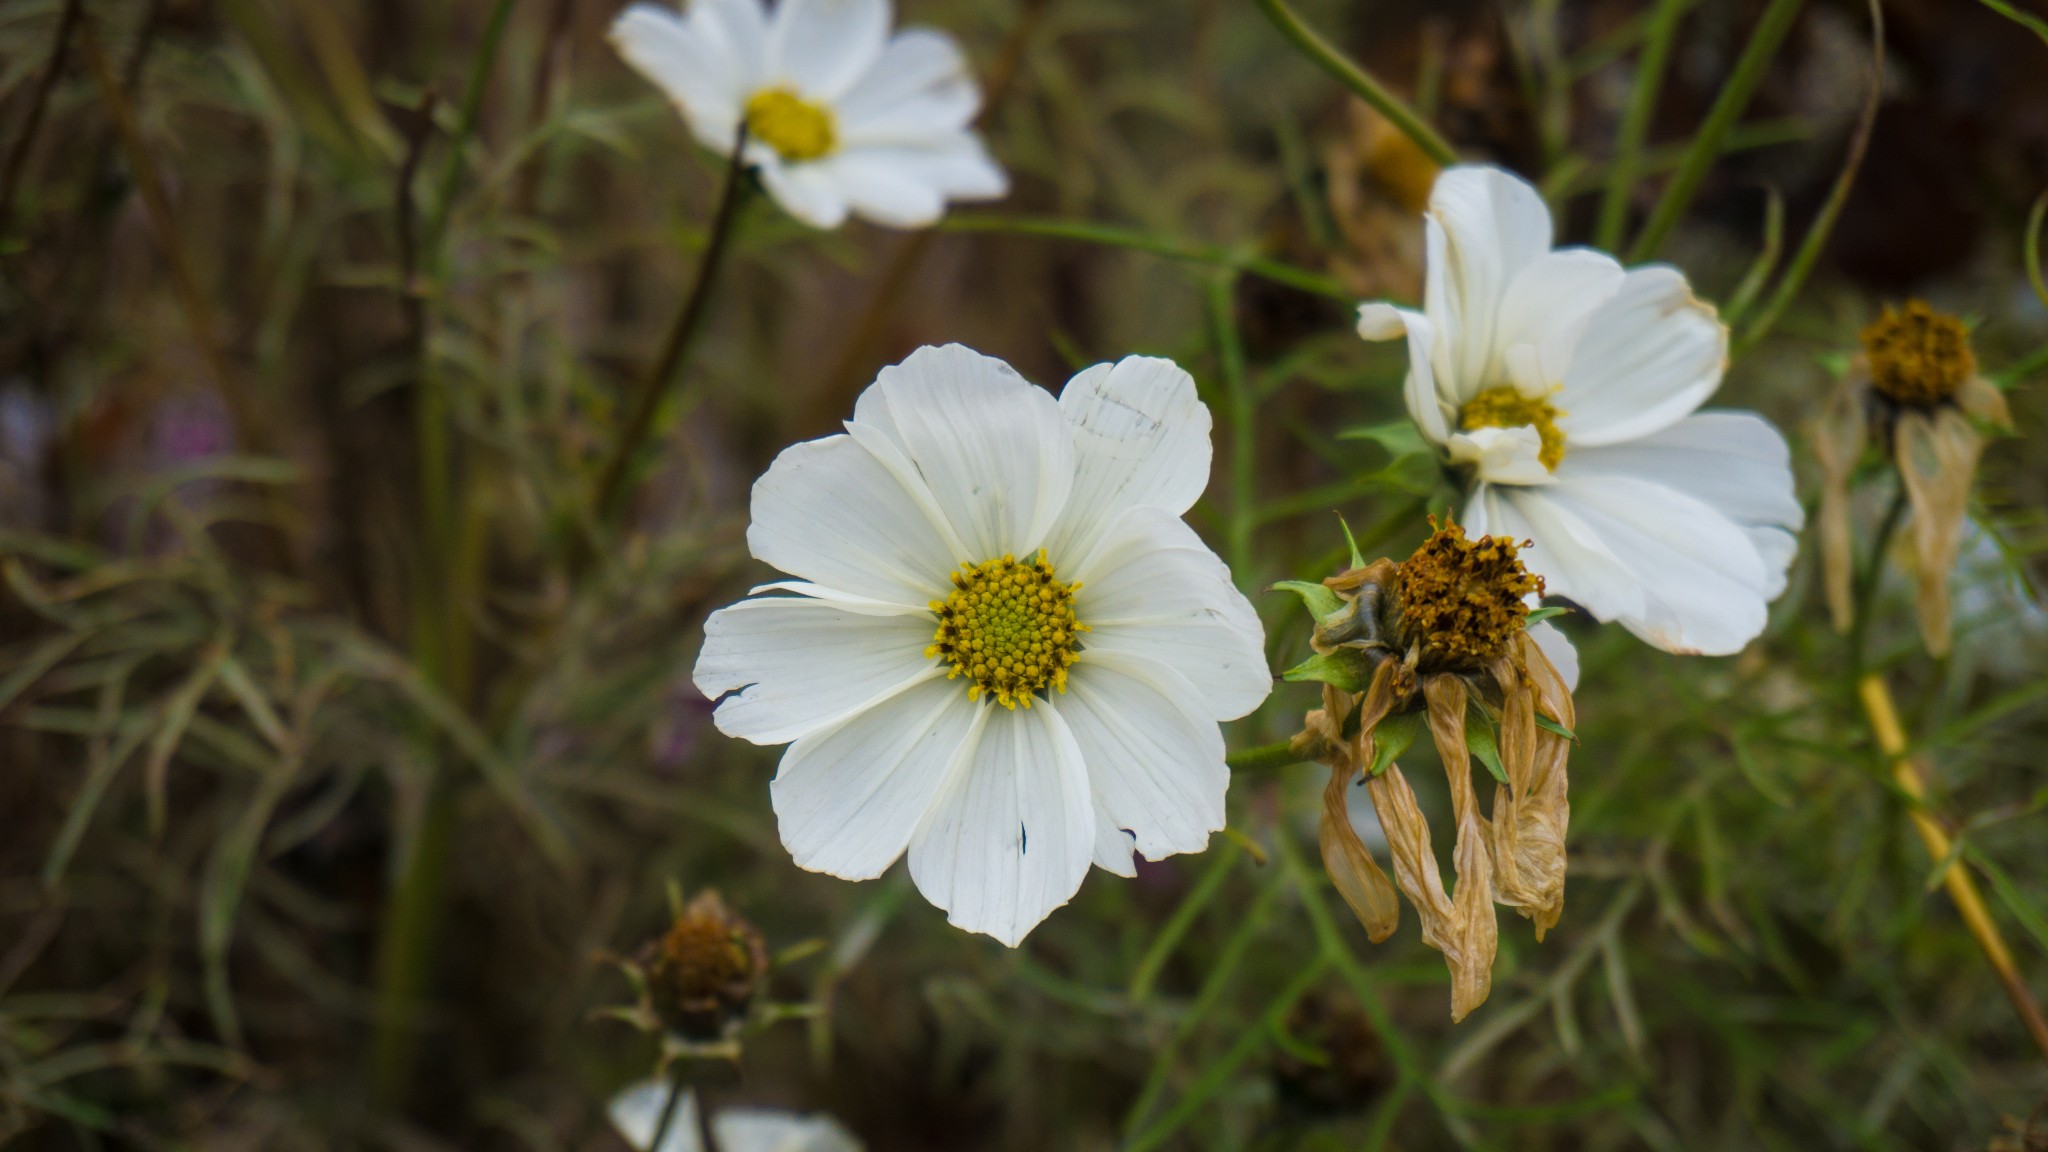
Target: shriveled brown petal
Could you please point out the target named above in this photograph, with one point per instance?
(1937, 459)
(1529, 857)
(1414, 861)
(1983, 402)
(1473, 927)
(1838, 438)
(1357, 875)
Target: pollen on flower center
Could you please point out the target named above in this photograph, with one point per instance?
(1009, 627)
(1462, 600)
(1918, 356)
(1504, 407)
(795, 127)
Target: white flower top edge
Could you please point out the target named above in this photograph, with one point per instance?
(1003, 651)
(842, 116)
(1567, 388)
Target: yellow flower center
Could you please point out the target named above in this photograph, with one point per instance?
(1462, 600)
(796, 128)
(1504, 407)
(1008, 627)
(1918, 356)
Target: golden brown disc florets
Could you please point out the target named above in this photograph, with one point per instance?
(1463, 600)
(706, 969)
(1918, 356)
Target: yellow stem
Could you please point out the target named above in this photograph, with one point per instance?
(1962, 888)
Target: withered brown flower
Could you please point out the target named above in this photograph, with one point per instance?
(1915, 390)
(1440, 640)
(705, 970)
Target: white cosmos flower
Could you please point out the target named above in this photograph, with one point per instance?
(1567, 386)
(636, 1113)
(966, 515)
(841, 116)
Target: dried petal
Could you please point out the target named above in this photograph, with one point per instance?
(1838, 437)
(1357, 875)
(1937, 457)
(1529, 829)
(1984, 403)
(1472, 926)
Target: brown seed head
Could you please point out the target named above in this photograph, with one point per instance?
(1461, 600)
(1918, 356)
(706, 968)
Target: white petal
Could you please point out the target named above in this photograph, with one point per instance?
(1563, 656)
(770, 1130)
(1423, 392)
(1547, 309)
(847, 799)
(1502, 455)
(1153, 591)
(1141, 438)
(821, 47)
(636, 1113)
(864, 605)
(1485, 225)
(739, 28)
(1378, 322)
(805, 191)
(1651, 354)
(954, 164)
(1113, 845)
(1701, 580)
(829, 512)
(1013, 835)
(1156, 766)
(990, 446)
(686, 58)
(1572, 559)
(792, 666)
(920, 88)
(1735, 462)
(881, 189)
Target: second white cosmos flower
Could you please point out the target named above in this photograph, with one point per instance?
(1006, 653)
(1566, 387)
(840, 114)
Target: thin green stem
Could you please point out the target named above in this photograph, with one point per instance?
(1359, 81)
(1263, 758)
(1111, 236)
(681, 336)
(465, 124)
(1868, 577)
(1243, 432)
(1648, 83)
(1728, 107)
(669, 1108)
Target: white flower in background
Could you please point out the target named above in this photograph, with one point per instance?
(1006, 652)
(636, 1113)
(840, 115)
(1567, 386)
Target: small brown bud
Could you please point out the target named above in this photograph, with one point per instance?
(706, 969)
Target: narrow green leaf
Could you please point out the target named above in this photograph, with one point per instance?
(1483, 744)
(1357, 560)
(1549, 725)
(1538, 615)
(1319, 601)
(1392, 738)
(1344, 669)
(1398, 438)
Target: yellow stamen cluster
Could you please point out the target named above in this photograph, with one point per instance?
(1461, 600)
(1504, 407)
(1918, 356)
(795, 127)
(1008, 627)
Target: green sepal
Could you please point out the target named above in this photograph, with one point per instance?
(1357, 559)
(1482, 743)
(1392, 738)
(1397, 437)
(1345, 668)
(1537, 615)
(1319, 601)
(1549, 725)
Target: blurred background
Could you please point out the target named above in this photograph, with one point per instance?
(333, 765)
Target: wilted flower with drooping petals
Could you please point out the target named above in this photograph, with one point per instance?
(840, 115)
(1565, 387)
(1006, 653)
(1915, 390)
(1443, 640)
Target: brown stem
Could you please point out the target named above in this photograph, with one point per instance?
(17, 158)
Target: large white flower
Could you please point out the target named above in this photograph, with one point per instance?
(1566, 386)
(636, 1113)
(1006, 652)
(840, 115)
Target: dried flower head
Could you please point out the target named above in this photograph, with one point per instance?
(1915, 391)
(705, 970)
(1918, 356)
(1442, 641)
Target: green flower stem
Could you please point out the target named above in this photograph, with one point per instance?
(465, 125)
(669, 1108)
(1359, 81)
(1262, 758)
(1635, 124)
(681, 336)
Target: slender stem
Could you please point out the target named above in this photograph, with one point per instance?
(1263, 757)
(465, 124)
(1866, 582)
(1961, 886)
(647, 400)
(1359, 81)
(1635, 123)
(1243, 433)
(17, 157)
(1756, 56)
(669, 1108)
